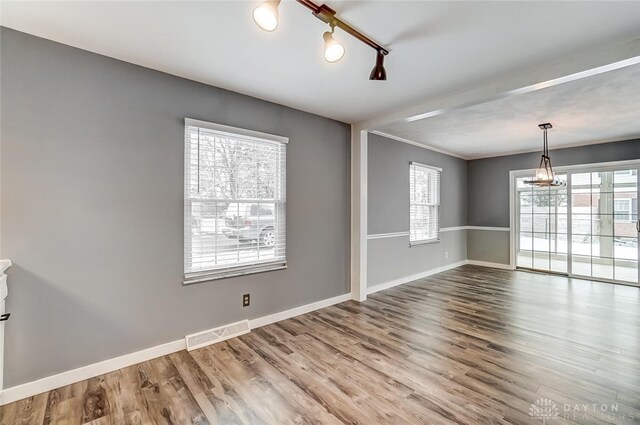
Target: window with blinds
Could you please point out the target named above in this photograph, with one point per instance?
(234, 203)
(424, 203)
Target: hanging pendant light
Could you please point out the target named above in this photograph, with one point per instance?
(544, 173)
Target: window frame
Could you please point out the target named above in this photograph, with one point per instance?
(233, 270)
(438, 170)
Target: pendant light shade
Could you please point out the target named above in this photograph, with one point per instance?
(333, 50)
(266, 15)
(544, 173)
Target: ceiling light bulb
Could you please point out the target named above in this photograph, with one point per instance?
(378, 72)
(266, 15)
(333, 50)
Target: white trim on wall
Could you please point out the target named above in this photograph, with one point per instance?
(297, 311)
(387, 235)
(495, 229)
(411, 278)
(453, 229)
(491, 265)
(49, 383)
(443, 229)
(414, 143)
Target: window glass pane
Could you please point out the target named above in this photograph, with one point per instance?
(581, 265)
(526, 203)
(525, 259)
(602, 267)
(558, 243)
(526, 241)
(581, 244)
(541, 260)
(602, 202)
(234, 202)
(581, 203)
(625, 225)
(602, 225)
(424, 188)
(581, 224)
(526, 222)
(541, 242)
(626, 271)
(558, 263)
(625, 178)
(542, 223)
(625, 248)
(602, 246)
(602, 181)
(580, 180)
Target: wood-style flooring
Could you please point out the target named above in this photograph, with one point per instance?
(468, 346)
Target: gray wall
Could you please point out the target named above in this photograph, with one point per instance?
(390, 259)
(388, 185)
(489, 246)
(92, 196)
(488, 179)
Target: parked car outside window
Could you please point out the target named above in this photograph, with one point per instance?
(250, 222)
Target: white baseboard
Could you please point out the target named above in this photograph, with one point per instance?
(410, 278)
(9, 395)
(487, 264)
(297, 311)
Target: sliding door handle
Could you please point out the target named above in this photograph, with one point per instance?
(638, 225)
(4, 317)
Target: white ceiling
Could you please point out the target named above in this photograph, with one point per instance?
(437, 48)
(600, 108)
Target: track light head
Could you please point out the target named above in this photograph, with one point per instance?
(266, 15)
(333, 50)
(378, 72)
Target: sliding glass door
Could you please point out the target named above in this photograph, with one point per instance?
(604, 215)
(588, 228)
(543, 236)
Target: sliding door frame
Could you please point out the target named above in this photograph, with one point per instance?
(569, 169)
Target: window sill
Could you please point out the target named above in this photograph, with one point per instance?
(223, 274)
(427, 242)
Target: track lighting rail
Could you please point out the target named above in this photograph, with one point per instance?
(266, 17)
(328, 15)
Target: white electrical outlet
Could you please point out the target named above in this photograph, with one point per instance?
(446, 254)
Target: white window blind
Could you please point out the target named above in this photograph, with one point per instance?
(234, 203)
(424, 204)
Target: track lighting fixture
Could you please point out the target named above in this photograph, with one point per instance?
(333, 50)
(266, 17)
(378, 72)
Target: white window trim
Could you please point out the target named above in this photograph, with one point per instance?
(234, 131)
(241, 270)
(437, 238)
